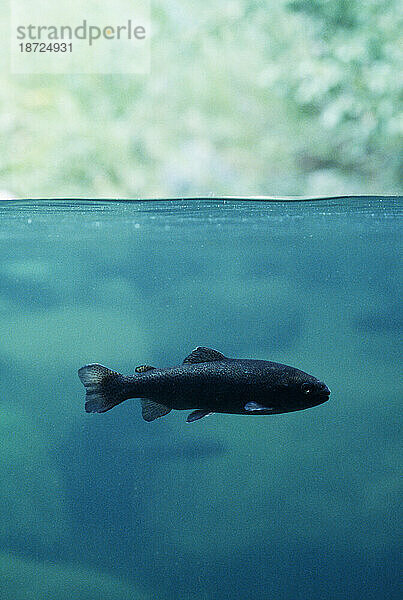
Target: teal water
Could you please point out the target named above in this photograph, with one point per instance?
(294, 506)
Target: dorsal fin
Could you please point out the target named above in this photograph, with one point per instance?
(143, 368)
(201, 355)
(151, 410)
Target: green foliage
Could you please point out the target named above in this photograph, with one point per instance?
(351, 86)
(245, 97)
(332, 14)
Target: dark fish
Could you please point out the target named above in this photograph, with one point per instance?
(207, 382)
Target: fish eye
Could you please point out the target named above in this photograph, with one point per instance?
(306, 388)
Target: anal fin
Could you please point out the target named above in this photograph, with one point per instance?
(151, 410)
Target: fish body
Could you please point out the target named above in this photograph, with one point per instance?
(207, 382)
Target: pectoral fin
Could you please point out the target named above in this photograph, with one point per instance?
(151, 410)
(256, 407)
(197, 414)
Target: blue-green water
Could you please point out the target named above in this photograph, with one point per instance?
(294, 506)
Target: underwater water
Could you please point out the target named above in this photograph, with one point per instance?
(290, 506)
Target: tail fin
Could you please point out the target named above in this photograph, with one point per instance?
(104, 388)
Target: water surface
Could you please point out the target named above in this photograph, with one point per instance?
(302, 505)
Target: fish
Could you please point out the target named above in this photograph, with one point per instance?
(207, 382)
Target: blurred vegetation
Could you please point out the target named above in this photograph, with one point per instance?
(243, 97)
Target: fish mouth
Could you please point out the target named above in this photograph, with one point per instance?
(323, 397)
(324, 392)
